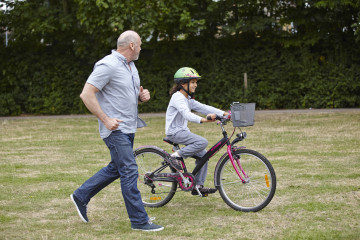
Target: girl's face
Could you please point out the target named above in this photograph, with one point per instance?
(192, 85)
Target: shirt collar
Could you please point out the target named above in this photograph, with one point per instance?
(119, 56)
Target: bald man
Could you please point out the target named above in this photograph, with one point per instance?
(112, 93)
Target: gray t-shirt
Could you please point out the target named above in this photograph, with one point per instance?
(118, 91)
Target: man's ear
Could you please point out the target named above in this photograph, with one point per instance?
(132, 46)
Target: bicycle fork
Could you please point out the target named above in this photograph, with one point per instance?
(237, 165)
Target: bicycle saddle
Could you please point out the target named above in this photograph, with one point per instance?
(168, 141)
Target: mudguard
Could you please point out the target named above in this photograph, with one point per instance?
(153, 147)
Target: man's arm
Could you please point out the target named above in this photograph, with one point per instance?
(88, 96)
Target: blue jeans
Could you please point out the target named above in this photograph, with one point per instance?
(122, 165)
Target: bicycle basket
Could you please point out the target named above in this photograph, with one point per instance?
(242, 114)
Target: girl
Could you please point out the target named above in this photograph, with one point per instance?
(178, 114)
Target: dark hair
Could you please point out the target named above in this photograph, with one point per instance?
(175, 88)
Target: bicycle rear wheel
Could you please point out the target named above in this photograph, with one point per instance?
(259, 187)
(154, 192)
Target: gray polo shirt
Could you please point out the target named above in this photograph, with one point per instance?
(118, 91)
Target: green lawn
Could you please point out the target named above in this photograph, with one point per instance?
(316, 156)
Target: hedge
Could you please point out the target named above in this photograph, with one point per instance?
(44, 80)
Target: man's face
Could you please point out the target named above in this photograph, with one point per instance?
(137, 49)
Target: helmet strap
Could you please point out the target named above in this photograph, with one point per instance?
(188, 93)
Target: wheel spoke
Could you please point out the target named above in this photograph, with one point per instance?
(257, 191)
(154, 192)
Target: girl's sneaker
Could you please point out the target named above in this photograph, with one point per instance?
(203, 190)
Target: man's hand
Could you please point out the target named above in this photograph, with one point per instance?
(88, 96)
(112, 123)
(144, 94)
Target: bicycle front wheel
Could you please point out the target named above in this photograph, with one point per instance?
(154, 191)
(258, 187)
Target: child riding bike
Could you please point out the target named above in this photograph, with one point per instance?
(178, 114)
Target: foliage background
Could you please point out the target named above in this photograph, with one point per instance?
(297, 54)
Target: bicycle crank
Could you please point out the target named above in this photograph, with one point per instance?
(186, 180)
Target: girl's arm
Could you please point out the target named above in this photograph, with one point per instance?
(206, 109)
(181, 105)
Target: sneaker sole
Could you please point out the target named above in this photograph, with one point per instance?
(204, 194)
(148, 230)
(77, 209)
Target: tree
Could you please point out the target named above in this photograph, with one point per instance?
(318, 22)
(280, 44)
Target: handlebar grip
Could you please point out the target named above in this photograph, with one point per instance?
(216, 118)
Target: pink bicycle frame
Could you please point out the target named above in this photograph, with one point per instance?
(238, 164)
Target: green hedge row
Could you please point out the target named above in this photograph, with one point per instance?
(277, 77)
(41, 83)
(47, 81)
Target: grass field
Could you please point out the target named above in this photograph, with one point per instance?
(316, 156)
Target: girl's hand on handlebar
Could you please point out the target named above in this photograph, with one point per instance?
(227, 115)
(210, 117)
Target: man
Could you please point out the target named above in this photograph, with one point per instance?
(112, 93)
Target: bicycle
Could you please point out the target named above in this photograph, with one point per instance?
(244, 178)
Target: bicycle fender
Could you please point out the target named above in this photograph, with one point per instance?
(216, 182)
(153, 147)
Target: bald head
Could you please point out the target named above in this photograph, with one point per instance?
(129, 45)
(126, 38)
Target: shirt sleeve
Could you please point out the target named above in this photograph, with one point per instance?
(185, 111)
(100, 76)
(204, 109)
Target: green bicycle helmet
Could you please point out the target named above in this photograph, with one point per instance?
(185, 74)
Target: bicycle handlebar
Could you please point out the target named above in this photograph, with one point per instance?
(220, 118)
(224, 118)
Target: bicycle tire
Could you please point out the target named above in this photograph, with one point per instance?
(251, 196)
(148, 160)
